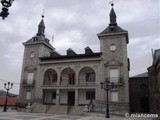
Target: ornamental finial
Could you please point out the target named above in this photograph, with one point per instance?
(42, 14)
(111, 2)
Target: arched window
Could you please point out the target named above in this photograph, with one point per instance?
(68, 77)
(50, 77)
(86, 75)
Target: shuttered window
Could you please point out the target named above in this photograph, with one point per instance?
(114, 96)
(28, 95)
(30, 78)
(114, 75)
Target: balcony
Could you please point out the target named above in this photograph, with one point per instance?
(29, 83)
(50, 83)
(84, 82)
(66, 82)
(115, 80)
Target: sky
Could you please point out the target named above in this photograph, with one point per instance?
(77, 23)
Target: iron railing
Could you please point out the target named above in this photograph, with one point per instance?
(50, 83)
(66, 82)
(114, 80)
(27, 82)
(100, 106)
(85, 82)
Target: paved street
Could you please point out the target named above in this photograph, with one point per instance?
(42, 116)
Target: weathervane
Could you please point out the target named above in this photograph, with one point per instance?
(43, 14)
(111, 2)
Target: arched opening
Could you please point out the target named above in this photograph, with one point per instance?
(50, 77)
(87, 76)
(67, 77)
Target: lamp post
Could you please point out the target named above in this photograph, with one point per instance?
(105, 85)
(5, 6)
(7, 87)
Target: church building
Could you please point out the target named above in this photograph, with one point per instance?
(55, 83)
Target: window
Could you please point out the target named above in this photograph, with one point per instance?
(54, 95)
(28, 95)
(30, 78)
(114, 75)
(90, 95)
(114, 96)
(90, 77)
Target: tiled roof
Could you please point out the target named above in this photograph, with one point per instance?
(141, 75)
(10, 102)
(77, 56)
(3, 94)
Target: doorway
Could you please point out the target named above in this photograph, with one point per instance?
(144, 104)
(71, 98)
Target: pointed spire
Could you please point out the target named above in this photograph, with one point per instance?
(112, 17)
(41, 27)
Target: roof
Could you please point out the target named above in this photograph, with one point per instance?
(113, 27)
(112, 13)
(76, 56)
(41, 23)
(142, 75)
(3, 94)
(11, 101)
(40, 37)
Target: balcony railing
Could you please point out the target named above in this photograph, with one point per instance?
(66, 82)
(100, 106)
(50, 83)
(115, 80)
(28, 82)
(85, 82)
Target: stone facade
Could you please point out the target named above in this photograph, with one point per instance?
(154, 83)
(139, 93)
(49, 78)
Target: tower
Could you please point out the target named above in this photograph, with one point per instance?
(37, 46)
(115, 64)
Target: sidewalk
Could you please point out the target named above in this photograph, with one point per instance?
(113, 118)
(14, 115)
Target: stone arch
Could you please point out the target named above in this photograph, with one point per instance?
(86, 75)
(50, 77)
(67, 76)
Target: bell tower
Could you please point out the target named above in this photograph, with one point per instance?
(36, 47)
(115, 64)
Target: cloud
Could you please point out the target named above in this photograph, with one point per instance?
(139, 52)
(77, 23)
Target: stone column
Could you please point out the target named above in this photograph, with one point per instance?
(58, 79)
(57, 96)
(76, 78)
(76, 97)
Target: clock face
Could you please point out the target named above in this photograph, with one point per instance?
(113, 47)
(32, 55)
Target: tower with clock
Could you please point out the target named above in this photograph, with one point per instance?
(115, 64)
(35, 47)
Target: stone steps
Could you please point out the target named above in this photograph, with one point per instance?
(75, 110)
(57, 109)
(38, 108)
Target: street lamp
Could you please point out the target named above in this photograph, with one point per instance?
(105, 85)
(7, 87)
(6, 4)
